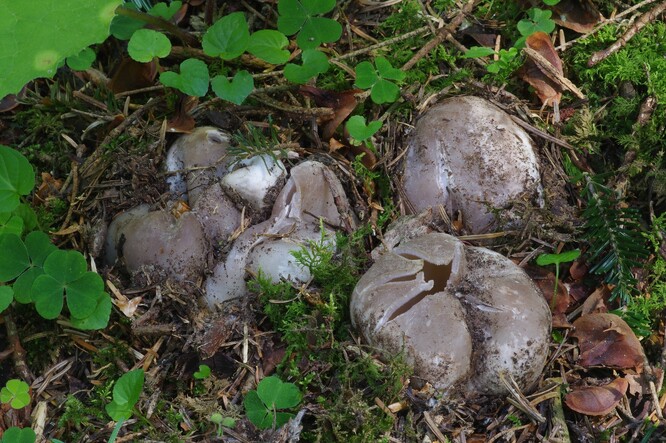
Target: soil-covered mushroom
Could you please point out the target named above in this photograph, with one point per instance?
(470, 156)
(462, 314)
(203, 154)
(158, 242)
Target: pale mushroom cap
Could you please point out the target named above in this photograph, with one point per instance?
(204, 153)
(255, 182)
(462, 314)
(470, 156)
(217, 214)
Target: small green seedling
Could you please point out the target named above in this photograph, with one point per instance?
(272, 395)
(17, 178)
(378, 79)
(236, 90)
(18, 435)
(82, 61)
(556, 259)
(302, 17)
(203, 372)
(537, 20)
(222, 422)
(126, 393)
(314, 63)
(359, 131)
(16, 393)
(192, 80)
(146, 44)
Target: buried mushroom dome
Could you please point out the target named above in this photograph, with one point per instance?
(462, 315)
(471, 157)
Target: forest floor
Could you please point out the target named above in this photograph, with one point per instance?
(586, 79)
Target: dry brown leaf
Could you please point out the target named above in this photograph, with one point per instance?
(49, 188)
(596, 302)
(607, 340)
(182, 121)
(342, 103)
(578, 269)
(131, 75)
(597, 400)
(578, 15)
(547, 90)
(127, 306)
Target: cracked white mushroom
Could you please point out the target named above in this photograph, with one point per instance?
(462, 314)
(469, 156)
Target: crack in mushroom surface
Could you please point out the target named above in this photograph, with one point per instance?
(461, 314)
(469, 156)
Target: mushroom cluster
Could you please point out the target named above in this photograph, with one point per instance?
(184, 246)
(471, 157)
(462, 315)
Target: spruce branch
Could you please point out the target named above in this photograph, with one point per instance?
(617, 243)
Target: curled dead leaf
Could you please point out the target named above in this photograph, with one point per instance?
(131, 75)
(597, 400)
(607, 340)
(342, 103)
(548, 90)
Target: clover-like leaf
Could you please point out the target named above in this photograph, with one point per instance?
(538, 20)
(165, 11)
(6, 297)
(28, 216)
(236, 90)
(268, 45)
(10, 223)
(65, 275)
(39, 247)
(14, 259)
(37, 36)
(147, 44)
(383, 90)
(562, 257)
(16, 393)
(192, 80)
(126, 393)
(359, 130)
(17, 178)
(228, 37)
(314, 63)
(82, 61)
(272, 394)
(301, 16)
(99, 318)
(18, 435)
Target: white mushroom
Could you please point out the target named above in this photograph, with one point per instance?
(312, 194)
(470, 156)
(203, 154)
(217, 214)
(463, 315)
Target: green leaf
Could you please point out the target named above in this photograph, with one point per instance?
(16, 393)
(256, 411)
(277, 394)
(192, 80)
(6, 297)
(366, 75)
(539, 20)
(39, 247)
(478, 51)
(203, 372)
(10, 223)
(37, 36)
(18, 435)
(82, 294)
(122, 26)
(126, 393)
(47, 293)
(28, 215)
(551, 2)
(82, 61)
(295, 16)
(384, 91)
(16, 176)
(314, 63)
(359, 130)
(235, 91)
(562, 257)
(14, 258)
(387, 71)
(147, 44)
(99, 318)
(268, 45)
(228, 37)
(165, 11)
